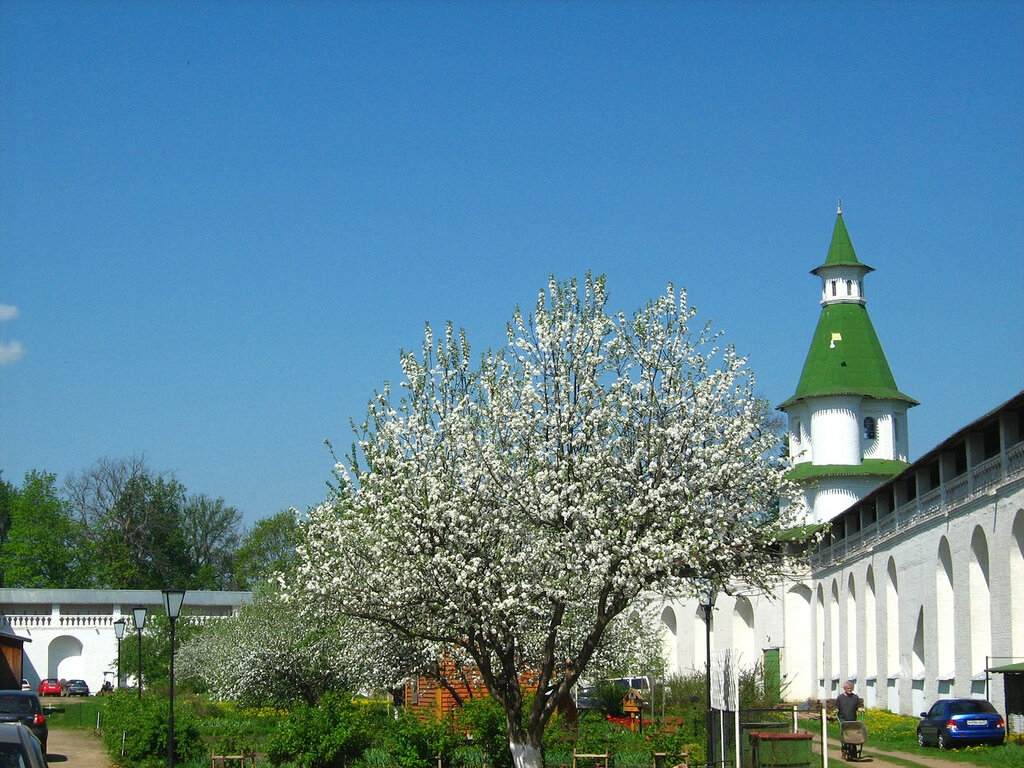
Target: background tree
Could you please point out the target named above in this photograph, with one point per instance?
(8, 493)
(40, 549)
(211, 530)
(144, 531)
(266, 549)
(514, 509)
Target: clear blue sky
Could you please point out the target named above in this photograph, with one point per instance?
(221, 221)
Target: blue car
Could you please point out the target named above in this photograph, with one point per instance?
(960, 721)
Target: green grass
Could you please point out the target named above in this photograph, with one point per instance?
(73, 712)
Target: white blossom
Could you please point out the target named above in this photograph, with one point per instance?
(513, 508)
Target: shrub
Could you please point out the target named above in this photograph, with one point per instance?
(139, 727)
(339, 732)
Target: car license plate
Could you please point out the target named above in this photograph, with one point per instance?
(977, 722)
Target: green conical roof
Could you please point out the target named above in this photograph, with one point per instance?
(840, 250)
(846, 358)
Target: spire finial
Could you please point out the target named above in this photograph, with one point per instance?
(839, 208)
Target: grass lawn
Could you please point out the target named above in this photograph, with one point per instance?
(72, 712)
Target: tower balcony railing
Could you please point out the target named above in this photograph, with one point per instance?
(943, 500)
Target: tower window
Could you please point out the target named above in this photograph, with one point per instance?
(870, 429)
(849, 287)
(833, 287)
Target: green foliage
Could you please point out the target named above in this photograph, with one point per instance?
(339, 731)
(609, 698)
(41, 546)
(325, 736)
(140, 729)
(486, 721)
(156, 652)
(267, 548)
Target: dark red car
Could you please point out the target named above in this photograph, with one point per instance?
(50, 687)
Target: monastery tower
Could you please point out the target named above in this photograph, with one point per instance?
(847, 420)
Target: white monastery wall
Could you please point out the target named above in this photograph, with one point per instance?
(71, 631)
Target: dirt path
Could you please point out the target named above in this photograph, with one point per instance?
(75, 748)
(876, 758)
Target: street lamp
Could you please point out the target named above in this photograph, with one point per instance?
(119, 631)
(706, 594)
(173, 598)
(140, 621)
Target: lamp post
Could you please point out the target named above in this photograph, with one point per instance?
(707, 601)
(173, 598)
(119, 631)
(139, 612)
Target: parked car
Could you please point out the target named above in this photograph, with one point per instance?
(960, 721)
(25, 685)
(18, 746)
(77, 688)
(23, 707)
(586, 699)
(49, 687)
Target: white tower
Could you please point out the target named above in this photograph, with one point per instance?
(847, 420)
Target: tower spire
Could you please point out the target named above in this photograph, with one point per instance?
(839, 207)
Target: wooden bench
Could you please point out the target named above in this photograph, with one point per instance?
(596, 758)
(227, 761)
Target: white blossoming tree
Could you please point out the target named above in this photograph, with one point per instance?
(513, 508)
(280, 652)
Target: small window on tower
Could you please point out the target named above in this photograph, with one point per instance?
(796, 432)
(849, 287)
(870, 429)
(833, 287)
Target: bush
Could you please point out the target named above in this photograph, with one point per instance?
(139, 727)
(338, 732)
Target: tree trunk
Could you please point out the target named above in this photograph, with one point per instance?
(525, 755)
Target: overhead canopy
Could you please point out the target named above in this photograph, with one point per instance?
(1018, 667)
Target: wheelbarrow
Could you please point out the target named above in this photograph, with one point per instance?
(853, 734)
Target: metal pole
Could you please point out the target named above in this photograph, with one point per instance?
(119, 663)
(170, 718)
(710, 718)
(140, 663)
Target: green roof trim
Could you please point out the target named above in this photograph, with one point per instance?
(880, 467)
(800, 532)
(846, 358)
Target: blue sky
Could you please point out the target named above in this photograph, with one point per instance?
(220, 222)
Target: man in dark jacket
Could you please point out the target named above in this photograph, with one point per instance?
(848, 703)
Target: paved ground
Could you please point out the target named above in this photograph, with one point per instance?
(75, 748)
(876, 758)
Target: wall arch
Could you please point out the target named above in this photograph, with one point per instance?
(833, 633)
(700, 640)
(799, 643)
(980, 597)
(1017, 585)
(65, 658)
(670, 638)
(870, 625)
(944, 619)
(819, 635)
(851, 628)
(892, 620)
(744, 643)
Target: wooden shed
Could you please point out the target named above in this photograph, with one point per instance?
(12, 651)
